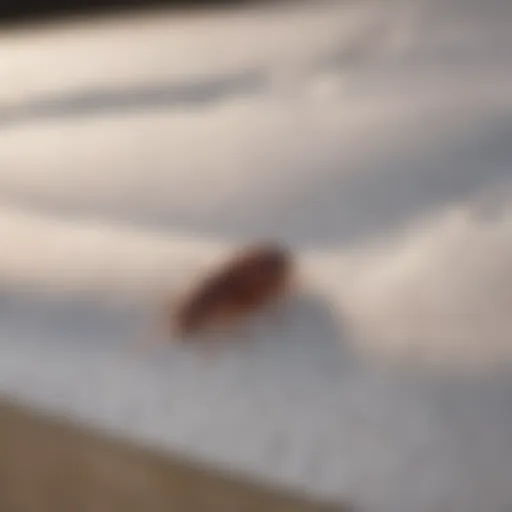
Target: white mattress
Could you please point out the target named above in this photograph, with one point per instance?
(372, 137)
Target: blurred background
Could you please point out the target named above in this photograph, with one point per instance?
(38, 9)
(142, 143)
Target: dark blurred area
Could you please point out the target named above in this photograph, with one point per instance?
(19, 11)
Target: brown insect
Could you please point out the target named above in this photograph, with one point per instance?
(255, 278)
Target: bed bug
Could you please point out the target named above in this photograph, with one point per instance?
(255, 278)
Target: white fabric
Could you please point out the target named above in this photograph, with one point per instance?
(374, 137)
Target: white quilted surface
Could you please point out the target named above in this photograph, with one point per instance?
(374, 138)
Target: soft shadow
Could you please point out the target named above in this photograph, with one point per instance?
(349, 207)
(121, 98)
(304, 330)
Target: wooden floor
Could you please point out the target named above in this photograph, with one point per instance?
(47, 466)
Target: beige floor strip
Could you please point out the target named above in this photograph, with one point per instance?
(50, 466)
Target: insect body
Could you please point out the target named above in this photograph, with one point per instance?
(252, 280)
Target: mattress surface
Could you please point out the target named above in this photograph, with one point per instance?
(373, 138)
